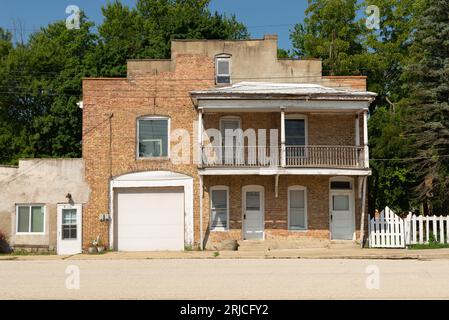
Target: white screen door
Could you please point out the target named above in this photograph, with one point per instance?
(253, 213)
(69, 229)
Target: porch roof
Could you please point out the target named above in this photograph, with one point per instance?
(268, 90)
(271, 97)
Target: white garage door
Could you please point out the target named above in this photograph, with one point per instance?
(150, 219)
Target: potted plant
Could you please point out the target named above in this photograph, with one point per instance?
(100, 246)
(93, 247)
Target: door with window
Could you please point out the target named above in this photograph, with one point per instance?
(342, 210)
(69, 229)
(253, 213)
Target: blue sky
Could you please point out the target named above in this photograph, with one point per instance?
(261, 16)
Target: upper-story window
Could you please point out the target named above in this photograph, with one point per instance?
(223, 69)
(295, 130)
(153, 137)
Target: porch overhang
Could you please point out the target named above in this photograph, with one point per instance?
(283, 171)
(270, 97)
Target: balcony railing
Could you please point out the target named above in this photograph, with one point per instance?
(287, 156)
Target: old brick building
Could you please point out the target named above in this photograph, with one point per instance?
(161, 179)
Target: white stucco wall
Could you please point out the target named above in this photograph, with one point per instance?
(39, 181)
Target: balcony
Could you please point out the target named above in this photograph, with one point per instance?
(348, 157)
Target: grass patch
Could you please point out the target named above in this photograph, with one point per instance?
(216, 254)
(30, 253)
(429, 246)
(433, 244)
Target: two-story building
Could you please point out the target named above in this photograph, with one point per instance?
(224, 141)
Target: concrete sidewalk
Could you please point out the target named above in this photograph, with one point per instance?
(310, 253)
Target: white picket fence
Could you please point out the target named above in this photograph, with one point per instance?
(419, 228)
(391, 231)
(386, 231)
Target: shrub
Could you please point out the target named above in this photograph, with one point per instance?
(4, 246)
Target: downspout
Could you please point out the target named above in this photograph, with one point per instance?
(201, 214)
(362, 219)
(110, 180)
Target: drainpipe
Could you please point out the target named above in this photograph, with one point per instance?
(110, 180)
(362, 219)
(201, 214)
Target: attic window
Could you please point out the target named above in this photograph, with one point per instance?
(223, 69)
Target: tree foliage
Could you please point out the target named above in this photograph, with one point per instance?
(330, 31)
(40, 80)
(427, 81)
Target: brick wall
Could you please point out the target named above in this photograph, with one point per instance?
(166, 94)
(323, 129)
(111, 109)
(276, 216)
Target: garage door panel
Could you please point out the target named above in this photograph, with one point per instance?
(150, 219)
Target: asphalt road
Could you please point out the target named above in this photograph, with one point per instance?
(224, 279)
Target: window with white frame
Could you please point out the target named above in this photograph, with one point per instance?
(223, 69)
(153, 140)
(30, 218)
(297, 208)
(219, 208)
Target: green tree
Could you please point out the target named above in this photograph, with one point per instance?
(392, 179)
(147, 30)
(427, 77)
(387, 51)
(42, 84)
(41, 79)
(330, 31)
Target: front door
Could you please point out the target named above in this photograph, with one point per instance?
(342, 215)
(253, 213)
(69, 229)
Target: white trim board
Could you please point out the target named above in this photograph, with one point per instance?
(275, 105)
(151, 179)
(283, 171)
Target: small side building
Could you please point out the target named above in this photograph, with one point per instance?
(41, 204)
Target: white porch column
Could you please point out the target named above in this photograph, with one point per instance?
(200, 138)
(363, 206)
(283, 160)
(365, 138)
(357, 130)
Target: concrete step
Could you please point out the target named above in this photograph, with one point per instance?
(343, 244)
(252, 245)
